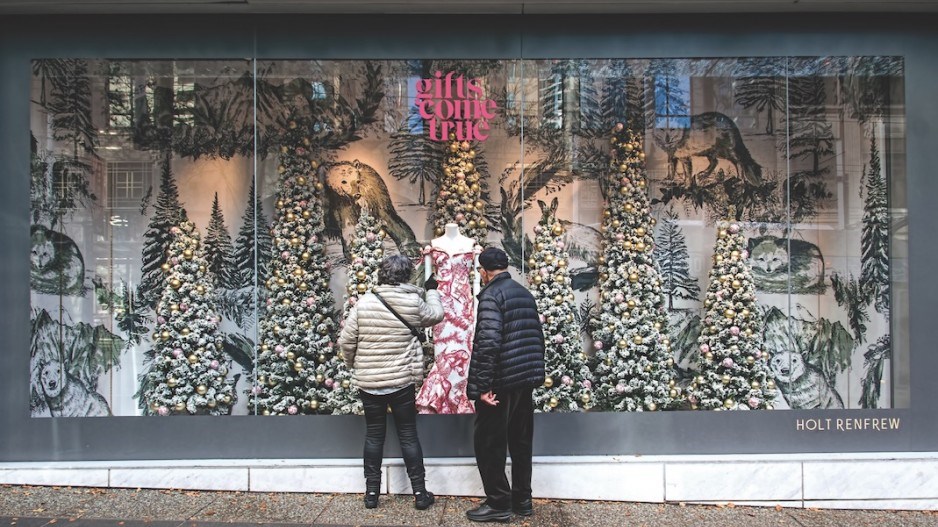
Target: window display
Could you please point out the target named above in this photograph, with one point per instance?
(709, 234)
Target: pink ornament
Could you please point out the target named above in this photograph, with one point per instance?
(538, 229)
(300, 151)
(744, 254)
(558, 339)
(719, 295)
(620, 237)
(757, 354)
(160, 320)
(183, 307)
(704, 348)
(292, 409)
(544, 271)
(256, 390)
(566, 380)
(353, 300)
(460, 175)
(177, 352)
(598, 344)
(270, 301)
(692, 399)
(734, 330)
(310, 301)
(587, 384)
(727, 362)
(734, 228)
(330, 344)
(620, 388)
(285, 254)
(213, 365)
(370, 237)
(330, 382)
(460, 216)
(279, 348)
(163, 410)
(303, 204)
(175, 230)
(619, 127)
(175, 260)
(542, 318)
(560, 244)
(753, 402)
(619, 298)
(359, 261)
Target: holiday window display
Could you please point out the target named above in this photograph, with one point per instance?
(189, 373)
(634, 369)
(452, 257)
(732, 363)
(568, 382)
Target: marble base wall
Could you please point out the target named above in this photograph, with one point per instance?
(851, 481)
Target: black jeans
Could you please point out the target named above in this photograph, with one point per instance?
(505, 428)
(404, 410)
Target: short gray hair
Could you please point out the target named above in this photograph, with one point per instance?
(395, 270)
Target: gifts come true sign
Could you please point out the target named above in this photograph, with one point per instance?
(453, 104)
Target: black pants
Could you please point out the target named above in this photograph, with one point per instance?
(404, 410)
(505, 428)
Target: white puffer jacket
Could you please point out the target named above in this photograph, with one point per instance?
(378, 347)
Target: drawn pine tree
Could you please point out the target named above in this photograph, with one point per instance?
(874, 241)
(167, 213)
(672, 256)
(218, 249)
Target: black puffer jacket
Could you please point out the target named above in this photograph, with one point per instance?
(508, 348)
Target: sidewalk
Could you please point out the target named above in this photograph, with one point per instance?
(30, 506)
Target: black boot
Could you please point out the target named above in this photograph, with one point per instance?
(422, 498)
(371, 495)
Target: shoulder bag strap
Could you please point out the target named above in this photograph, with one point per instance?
(420, 335)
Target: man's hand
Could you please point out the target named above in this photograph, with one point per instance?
(489, 398)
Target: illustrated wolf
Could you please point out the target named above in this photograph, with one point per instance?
(780, 265)
(713, 136)
(803, 385)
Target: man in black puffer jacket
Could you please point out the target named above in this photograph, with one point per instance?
(507, 364)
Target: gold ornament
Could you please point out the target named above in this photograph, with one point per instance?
(561, 263)
(770, 384)
(361, 275)
(320, 378)
(672, 393)
(211, 403)
(631, 304)
(729, 403)
(553, 402)
(729, 313)
(171, 382)
(298, 366)
(652, 406)
(633, 277)
(362, 288)
(755, 385)
(301, 180)
(548, 382)
(637, 339)
(623, 344)
(314, 404)
(321, 358)
(291, 355)
(537, 279)
(201, 389)
(290, 216)
(557, 229)
(175, 283)
(640, 246)
(722, 233)
(165, 267)
(164, 335)
(640, 231)
(745, 313)
(180, 407)
(193, 359)
(558, 299)
(708, 356)
(726, 379)
(200, 289)
(736, 284)
(346, 384)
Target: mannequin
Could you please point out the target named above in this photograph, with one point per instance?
(453, 257)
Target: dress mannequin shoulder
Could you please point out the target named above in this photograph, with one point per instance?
(453, 241)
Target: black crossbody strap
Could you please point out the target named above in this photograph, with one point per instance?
(420, 337)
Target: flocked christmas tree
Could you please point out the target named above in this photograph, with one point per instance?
(296, 327)
(731, 363)
(167, 213)
(568, 381)
(189, 373)
(218, 249)
(634, 369)
(459, 198)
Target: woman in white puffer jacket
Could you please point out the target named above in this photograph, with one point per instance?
(387, 366)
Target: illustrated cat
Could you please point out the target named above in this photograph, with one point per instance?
(802, 384)
(67, 396)
(780, 263)
(56, 264)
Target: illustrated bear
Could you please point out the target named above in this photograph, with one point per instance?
(803, 385)
(350, 185)
(56, 264)
(67, 396)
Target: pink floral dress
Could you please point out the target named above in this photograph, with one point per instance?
(444, 389)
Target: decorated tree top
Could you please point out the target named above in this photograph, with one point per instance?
(732, 365)
(366, 256)
(459, 199)
(568, 382)
(634, 369)
(189, 372)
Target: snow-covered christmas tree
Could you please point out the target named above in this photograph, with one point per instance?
(296, 327)
(634, 369)
(459, 199)
(218, 249)
(189, 373)
(568, 381)
(167, 213)
(732, 366)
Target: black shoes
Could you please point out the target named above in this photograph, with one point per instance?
(523, 508)
(484, 513)
(423, 500)
(371, 499)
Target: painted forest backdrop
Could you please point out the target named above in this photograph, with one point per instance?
(187, 259)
